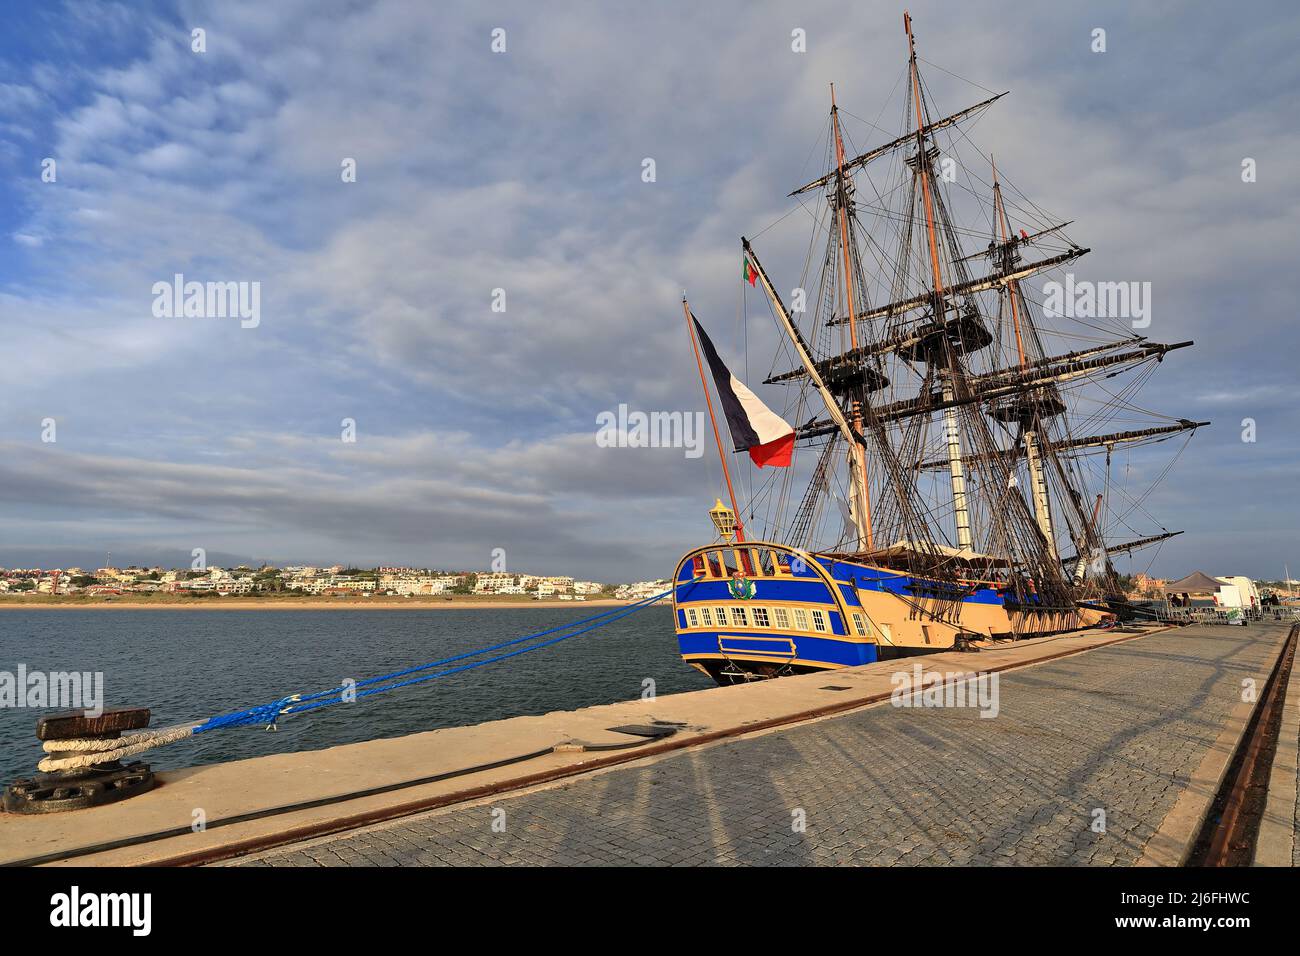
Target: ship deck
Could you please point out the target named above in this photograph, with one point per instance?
(1141, 727)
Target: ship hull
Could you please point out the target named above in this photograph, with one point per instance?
(791, 612)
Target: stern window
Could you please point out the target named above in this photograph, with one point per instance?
(782, 617)
(819, 620)
(738, 617)
(760, 617)
(801, 619)
(691, 620)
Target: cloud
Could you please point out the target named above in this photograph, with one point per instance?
(428, 499)
(522, 171)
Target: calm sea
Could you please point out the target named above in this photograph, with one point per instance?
(189, 665)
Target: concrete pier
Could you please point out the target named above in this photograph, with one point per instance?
(1279, 830)
(1107, 748)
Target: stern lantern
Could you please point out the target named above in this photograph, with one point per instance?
(724, 519)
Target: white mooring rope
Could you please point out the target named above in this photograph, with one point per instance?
(98, 750)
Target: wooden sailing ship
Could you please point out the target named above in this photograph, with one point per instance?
(957, 427)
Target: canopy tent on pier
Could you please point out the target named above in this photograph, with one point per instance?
(1198, 582)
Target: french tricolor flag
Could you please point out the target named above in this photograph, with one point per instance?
(755, 428)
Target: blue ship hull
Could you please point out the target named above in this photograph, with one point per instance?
(767, 610)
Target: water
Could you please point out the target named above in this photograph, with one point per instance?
(190, 665)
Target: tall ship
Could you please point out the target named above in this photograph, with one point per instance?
(943, 472)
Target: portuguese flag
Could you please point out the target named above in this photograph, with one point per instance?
(754, 427)
(748, 271)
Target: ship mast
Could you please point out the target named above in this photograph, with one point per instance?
(1081, 565)
(1033, 457)
(985, 408)
(857, 461)
(952, 435)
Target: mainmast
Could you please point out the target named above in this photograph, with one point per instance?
(941, 350)
(857, 461)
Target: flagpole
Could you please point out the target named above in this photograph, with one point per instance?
(717, 436)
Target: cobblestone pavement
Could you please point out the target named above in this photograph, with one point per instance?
(1295, 843)
(1116, 730)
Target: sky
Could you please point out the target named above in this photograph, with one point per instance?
(522, 170)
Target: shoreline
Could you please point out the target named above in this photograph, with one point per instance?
(294, 604)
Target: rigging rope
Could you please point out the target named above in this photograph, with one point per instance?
(91, 751)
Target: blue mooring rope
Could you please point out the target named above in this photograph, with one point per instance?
(267, 714)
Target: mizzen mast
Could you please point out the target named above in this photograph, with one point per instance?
(1027, 412)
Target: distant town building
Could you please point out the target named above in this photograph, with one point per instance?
(642, 590)
(1145, 584)
(306, 579)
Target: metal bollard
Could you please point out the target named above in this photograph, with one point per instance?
(103, 783)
